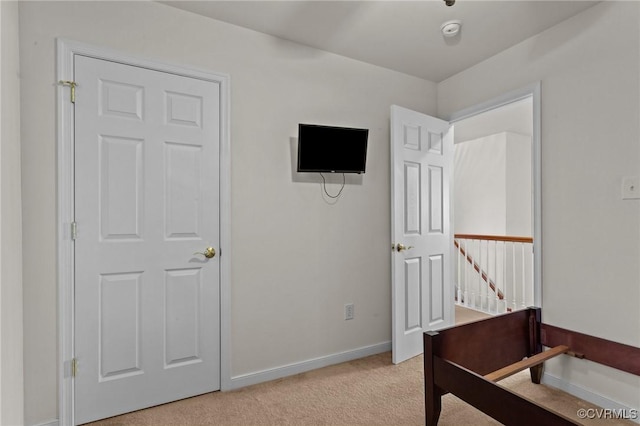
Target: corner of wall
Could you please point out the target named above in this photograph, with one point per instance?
(11, 317)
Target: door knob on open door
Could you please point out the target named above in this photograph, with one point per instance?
(209, 252)
(401, 247)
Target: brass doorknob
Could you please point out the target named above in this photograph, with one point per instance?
(209, 252)
(401, 247)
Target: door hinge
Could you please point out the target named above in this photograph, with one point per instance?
(73, 85)
(74, 367)
(74, 230)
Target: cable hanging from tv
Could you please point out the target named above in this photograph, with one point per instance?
(324, 186)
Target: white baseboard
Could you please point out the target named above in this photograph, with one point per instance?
(291, 369)
(304, 366)
(49, 423)
(587, 395)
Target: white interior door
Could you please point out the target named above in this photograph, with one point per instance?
(422, 267)
(147, 323)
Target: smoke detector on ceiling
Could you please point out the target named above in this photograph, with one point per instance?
(451, 28)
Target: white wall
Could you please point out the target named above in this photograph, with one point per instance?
(589, 67)
(480, 196)
(519, 188)
(296, 259)
(11, 352)
(492, 185)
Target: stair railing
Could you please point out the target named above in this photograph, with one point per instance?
(494, 273)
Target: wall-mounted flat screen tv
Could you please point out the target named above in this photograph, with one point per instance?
(331, 149)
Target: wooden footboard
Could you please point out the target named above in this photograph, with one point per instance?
(457, 358)
(467, 359)
(474, 347)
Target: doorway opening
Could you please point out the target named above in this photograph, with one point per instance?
(496, 205)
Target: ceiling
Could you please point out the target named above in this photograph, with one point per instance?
(399, 35)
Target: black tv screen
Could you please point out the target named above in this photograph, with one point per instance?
(331, 149)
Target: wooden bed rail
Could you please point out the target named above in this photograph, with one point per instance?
(606, 352)
(494, 400)
(532, 361)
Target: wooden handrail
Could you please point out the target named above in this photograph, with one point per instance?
(510, 239)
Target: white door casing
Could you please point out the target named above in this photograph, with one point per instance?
(147, 309)
(422, 267)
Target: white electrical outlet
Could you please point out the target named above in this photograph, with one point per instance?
(631, 188)
(348, 311)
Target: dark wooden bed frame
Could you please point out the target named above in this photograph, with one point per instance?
(467, 360)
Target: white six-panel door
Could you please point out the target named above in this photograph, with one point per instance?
(147, 322)
(422, 287)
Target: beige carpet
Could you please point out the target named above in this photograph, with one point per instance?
(465, 315)
(369, 391)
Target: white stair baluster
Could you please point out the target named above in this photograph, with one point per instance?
(466, 274)
(483, 281)
(480, 273)
(495, 274)
(504, 274)
(524, 278)
(487, 287)
(458, 292)
(513, 264)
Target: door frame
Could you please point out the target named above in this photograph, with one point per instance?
(66, 51)
(533, 91)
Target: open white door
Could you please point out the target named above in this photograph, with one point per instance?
(421, 265)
